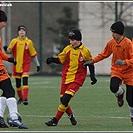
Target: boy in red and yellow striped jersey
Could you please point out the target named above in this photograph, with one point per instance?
(73, 57)
(22, 49)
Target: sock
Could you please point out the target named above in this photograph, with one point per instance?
(131, 111)
(59, 115)
(120, 91)
(19, 92)
(12, 106)
(69, 111)
(25, 92)
(2, 106)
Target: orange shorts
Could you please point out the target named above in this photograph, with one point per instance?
(126, 78)
(70, 88)
(20, 75)
(4, 74)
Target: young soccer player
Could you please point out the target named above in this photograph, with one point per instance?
(22, 49)
(121, 49)
(73, 57)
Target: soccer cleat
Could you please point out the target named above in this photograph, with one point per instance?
(120, 99)
(25, 102)
(20, 100)
(52, 122)
(2, 123)
(17, 123)
(72, 119)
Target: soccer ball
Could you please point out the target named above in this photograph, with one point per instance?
(19, 117)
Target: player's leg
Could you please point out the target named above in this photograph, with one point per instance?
(117, 90)
(61, 110)
(11, 103)
(2, 110)
(71, 116)
(25, 90)
(19, 90)
(71, 89)
(54, 121)
(129, 98)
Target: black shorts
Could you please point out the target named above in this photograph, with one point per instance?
(7, 88)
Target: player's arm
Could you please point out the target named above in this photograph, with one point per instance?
(6, 49)
(5, 57)
(53, 60)
(37, 63)
(92, 74)
(60, 59)
(90, 66)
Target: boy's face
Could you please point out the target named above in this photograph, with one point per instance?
(74, 43)
(2, 25)
(116, 36)
(22, 33)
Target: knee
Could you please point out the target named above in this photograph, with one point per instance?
(114, 88)
(25, 80)
(64, 102)
(65, 99)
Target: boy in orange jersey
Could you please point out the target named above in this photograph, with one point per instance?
(8, 96)
(22, 49)
(73, 74)
(122, 64)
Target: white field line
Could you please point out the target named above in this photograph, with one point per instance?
(108, 117)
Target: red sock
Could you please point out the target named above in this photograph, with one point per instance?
(19, 92)
(25, 92)
(69, 111)
(59, 115)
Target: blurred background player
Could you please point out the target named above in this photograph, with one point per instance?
(122, 64)
(22, 49)
(8, 96)
(73, 57)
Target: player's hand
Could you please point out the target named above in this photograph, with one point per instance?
(5, 48)
(38, 68)
(120, 62)
(93, 80)
(49, 60)
(12, 60)
(87, 63)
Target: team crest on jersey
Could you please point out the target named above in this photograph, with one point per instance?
(81, 58)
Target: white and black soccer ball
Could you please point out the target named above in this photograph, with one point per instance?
(9, 118)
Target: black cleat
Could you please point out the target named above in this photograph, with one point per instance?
(25, 102)
(120, 99)
(19, 101)
(2, 123)
(52, 122)
(72, 119)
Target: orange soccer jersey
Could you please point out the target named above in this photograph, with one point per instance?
(22, 50)
(73, 60)
(3, 72)
(122, 51)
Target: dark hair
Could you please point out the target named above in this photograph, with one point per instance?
(117, 27)
(75, 34)
(3, 17)
(22, 27)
